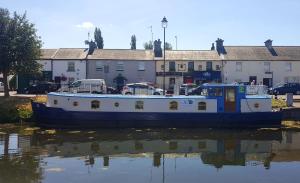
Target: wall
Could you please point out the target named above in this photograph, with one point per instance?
(46, 65)
(60, 68)
(256, 68)
(130, 71)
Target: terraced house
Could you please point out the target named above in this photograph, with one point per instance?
(188, 66)
(268, 64)
(265, 64)
(134, 65)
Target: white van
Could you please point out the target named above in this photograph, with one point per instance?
(1, 87)
(89, 86)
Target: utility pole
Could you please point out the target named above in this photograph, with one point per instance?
(176, 41)
(151, 33)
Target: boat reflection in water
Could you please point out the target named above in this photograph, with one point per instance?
(130, 151)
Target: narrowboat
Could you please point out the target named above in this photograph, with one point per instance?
(220, 105)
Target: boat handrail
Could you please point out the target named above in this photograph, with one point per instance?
(256, 90)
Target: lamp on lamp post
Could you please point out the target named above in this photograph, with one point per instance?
(164, 24)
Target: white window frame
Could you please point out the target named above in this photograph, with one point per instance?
(288, 66)
(238, 66)
(120, 66)
(267, 66)
(71, 67)
(99, 66)
(141, 66)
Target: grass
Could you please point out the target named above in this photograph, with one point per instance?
(14, 109)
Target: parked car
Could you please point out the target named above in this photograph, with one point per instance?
(1, 87)
(141, 89)
(41, 87)
(196, 91)
(89, 86)
(187, 87)
(282, 89)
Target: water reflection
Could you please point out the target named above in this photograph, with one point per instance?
(28, 155)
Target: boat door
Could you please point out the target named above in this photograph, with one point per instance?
(230, 99)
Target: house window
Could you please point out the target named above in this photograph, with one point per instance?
(267, 66)
(139, 105)
(238, 66)
(190, 66)
(106, 69)
(120, 66)
(141, 66)
(99, 66)
(75, 104)
(162, 67)
(55, 102)
(288, 66)
(171, 66)
(71, 67)
(209, 66)
(218, 67)
(95, 104)
(173, 105)
(199, 67)
(201, 106)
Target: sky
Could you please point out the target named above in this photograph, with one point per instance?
(196, 23)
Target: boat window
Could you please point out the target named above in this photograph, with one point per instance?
(117, 104)
(95, 104)
(173, 105)
(75, 103)
(139, 105)
(215, 92)
(138, 146)
(201, 106)
(256, 105)
(55, 102)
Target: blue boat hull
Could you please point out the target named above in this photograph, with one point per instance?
(48, 116)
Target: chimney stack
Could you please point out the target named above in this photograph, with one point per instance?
(268, 43)
(212, 46)
(220, 47)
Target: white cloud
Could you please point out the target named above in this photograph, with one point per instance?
(85, 25)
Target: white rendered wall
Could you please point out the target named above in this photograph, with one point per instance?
(46, 65)
(60, 68)
(256, 68)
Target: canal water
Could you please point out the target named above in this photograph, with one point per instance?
(29, 154)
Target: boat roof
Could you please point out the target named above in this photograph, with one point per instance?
(118, 96)
(221, 84)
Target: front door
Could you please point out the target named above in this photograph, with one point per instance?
(267, 82)
(230, 99)
(253, 79)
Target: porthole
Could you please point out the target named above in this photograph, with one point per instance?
(256, 105)
(75, 104)
(95, 104)
(139, 105)
(173, 105)
(116, 104)
(201, 106)
(55, 102)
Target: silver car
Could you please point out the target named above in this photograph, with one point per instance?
(141, 89)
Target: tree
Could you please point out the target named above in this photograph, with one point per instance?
(148, 45)
(19, 46)
(168, 46)
(98, 38)
(133, 42)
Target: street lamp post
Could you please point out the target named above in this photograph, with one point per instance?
(164, 24)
